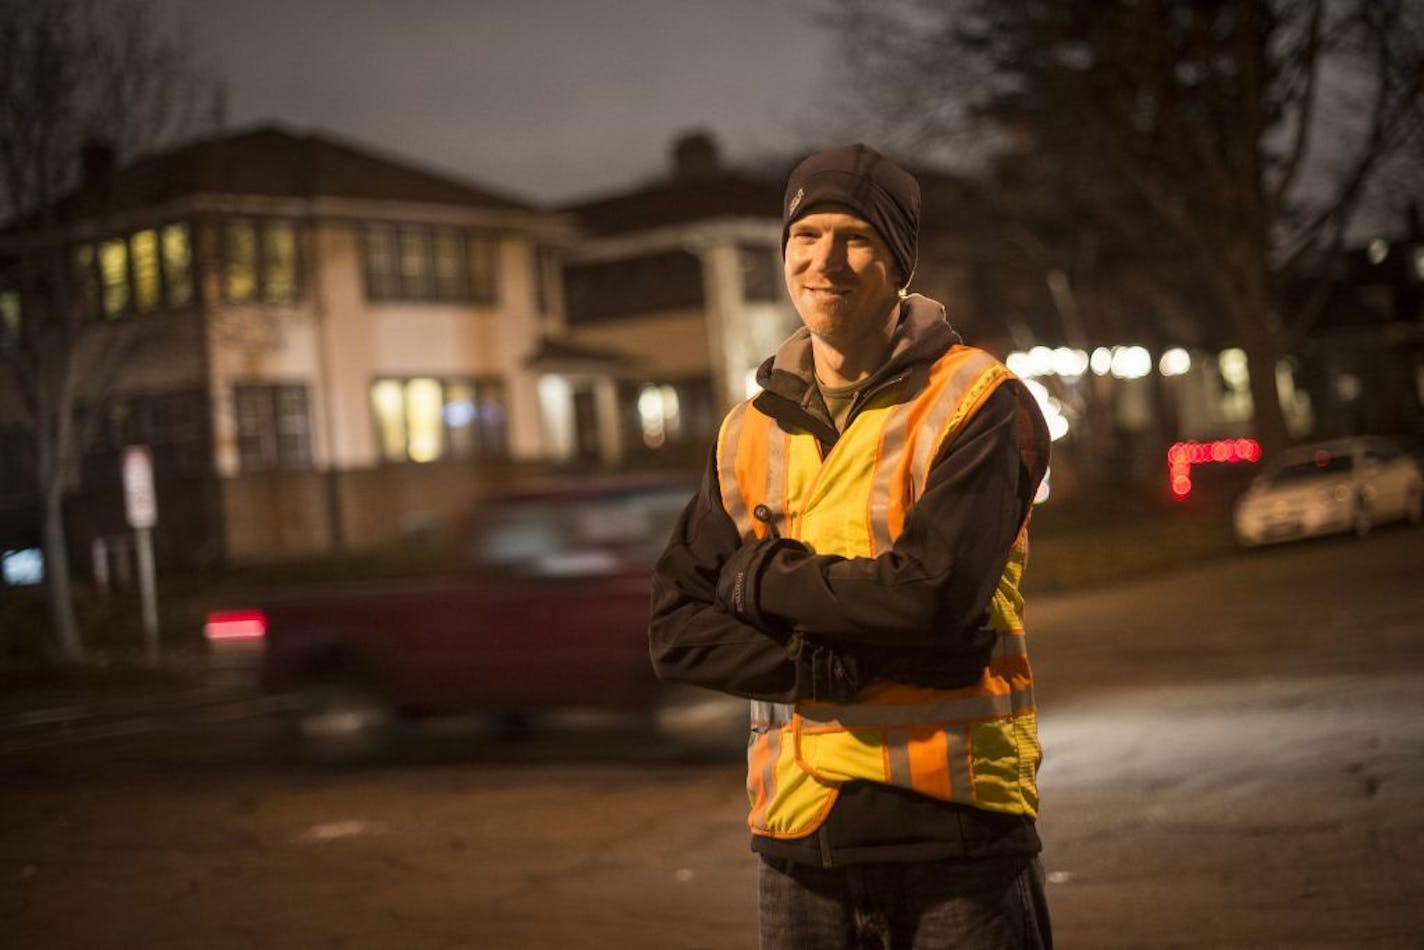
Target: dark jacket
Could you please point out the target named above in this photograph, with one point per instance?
(823, 625)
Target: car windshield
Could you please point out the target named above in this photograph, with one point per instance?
(1320, 463)
(581, 535)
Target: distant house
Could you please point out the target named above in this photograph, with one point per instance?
(344, 347)
(674, 294)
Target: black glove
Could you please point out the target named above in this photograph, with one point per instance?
(934, 667)
(738, 585)
(824, 672)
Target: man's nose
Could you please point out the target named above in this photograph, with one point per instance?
(829, 254)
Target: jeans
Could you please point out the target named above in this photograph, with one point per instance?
(988, 904)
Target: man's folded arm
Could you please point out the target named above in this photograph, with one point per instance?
(932, 590)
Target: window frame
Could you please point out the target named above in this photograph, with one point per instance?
(273, 457)
(388, 281)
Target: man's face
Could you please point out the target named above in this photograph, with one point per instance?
(841, 278)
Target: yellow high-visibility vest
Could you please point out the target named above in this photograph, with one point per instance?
(977, 745)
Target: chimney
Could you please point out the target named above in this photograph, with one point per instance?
(695, 156)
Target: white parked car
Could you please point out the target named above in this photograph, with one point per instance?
(1343, 485)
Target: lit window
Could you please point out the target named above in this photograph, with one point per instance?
(177, 265)
(414, 264)
(459, 413)
(388, 406)
(279, 262)
(240, 262)
(660, 415)
(114, 274)
(424, 420)
(147, 284)
(9, 313)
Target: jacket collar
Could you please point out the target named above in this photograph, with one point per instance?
(788, 378)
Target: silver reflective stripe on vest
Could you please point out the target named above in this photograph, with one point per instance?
(898, 751)
(892, 452)
(1011, 644)
(770, 714)
(938, 417)
(967, 709)
(961, 771)
(776, 451)
(727, 471)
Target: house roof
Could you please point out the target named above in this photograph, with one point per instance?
(272, 160)
(562, 352)
(679, 200)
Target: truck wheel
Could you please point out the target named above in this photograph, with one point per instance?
(340, 723)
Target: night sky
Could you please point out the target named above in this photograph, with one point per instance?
(544, 99)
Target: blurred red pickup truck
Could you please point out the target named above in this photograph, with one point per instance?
(551, 612)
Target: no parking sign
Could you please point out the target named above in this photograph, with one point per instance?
(140, 502)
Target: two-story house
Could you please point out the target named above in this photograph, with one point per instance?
(342, 344)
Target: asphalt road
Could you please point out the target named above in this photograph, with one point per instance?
(1234, 758)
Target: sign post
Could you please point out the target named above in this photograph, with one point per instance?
(141, 509)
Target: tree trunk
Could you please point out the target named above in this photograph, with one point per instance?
(68, 645)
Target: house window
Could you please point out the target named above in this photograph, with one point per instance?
(649, 283)
(419, 263)
(279, 262)
(659, 414)
(114, 276)
(240, 262)
(425, 419)
(381, 280)
(177, 265)
(9, 313)
(484, 268)
(135, 274)
(147, 282)
(415, 264)
(546, 263)
(273, 426)
(260, 262)
(452, 280)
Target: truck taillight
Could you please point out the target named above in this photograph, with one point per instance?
(235, 625)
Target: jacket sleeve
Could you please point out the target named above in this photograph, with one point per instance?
(693, 640)
(932, 589)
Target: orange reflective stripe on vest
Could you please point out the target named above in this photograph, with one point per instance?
(977, 745)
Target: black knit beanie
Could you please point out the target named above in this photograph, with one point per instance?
(868, 183)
